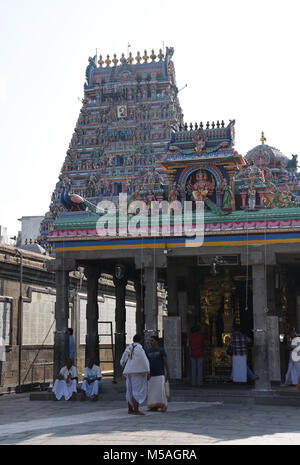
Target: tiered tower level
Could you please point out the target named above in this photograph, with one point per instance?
(130, 108)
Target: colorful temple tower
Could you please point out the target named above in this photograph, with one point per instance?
(130, 138)
(130, 108)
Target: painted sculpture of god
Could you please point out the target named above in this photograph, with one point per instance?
(201, 185)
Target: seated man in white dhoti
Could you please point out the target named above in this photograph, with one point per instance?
(136, 371)
(66, 383)
(92, 382)
(293, 372)
(239, 356)
(159, 374)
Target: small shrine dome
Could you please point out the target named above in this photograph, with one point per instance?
(267, 156)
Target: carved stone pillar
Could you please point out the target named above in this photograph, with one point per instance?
(151, 304)
(172, 291)
(139, 297)
(92, 273)
(261, 365)
(273, 329)
(120, 281)
(61, 336)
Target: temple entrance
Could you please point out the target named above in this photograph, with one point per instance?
(223, 304)
(218, 296)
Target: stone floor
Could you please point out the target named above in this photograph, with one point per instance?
(106, 422)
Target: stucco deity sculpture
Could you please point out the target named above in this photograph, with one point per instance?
(227, 195)
(202, 187)
(251, 197)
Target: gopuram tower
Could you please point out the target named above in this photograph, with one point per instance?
(129, 110)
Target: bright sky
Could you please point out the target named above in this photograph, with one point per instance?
(240, 60)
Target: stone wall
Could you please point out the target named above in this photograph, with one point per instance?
(38, 294)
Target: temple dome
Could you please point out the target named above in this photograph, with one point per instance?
(264, 155)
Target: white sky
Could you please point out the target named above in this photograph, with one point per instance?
(239, 59)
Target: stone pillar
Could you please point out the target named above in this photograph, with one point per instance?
(92, 273)
(139, 297)
(182, 310)
(172, 292)
(244, 197)
(120, 281)
(271, 290)
(273, 349)
(61, 336)
(261, 366)
(151, 304)
(261, 198)
(273, 329)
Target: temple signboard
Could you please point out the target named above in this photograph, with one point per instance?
(172, 345)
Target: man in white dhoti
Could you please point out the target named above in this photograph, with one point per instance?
(293, 372)
(136, 371)
(66, 383)
(239, 356)
(92, 382)
(159, 374)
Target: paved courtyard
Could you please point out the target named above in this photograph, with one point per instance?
(106, 422)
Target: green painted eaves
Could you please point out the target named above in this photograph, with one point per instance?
(86, 220)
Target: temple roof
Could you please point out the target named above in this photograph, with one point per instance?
(265, 155)
(214, 144)
(146, 68)
(88, 220)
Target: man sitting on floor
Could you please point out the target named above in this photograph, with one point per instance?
(92, 381)
(66, 382)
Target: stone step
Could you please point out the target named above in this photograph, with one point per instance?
(200, 393)
(49, 396)
(259, 398)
